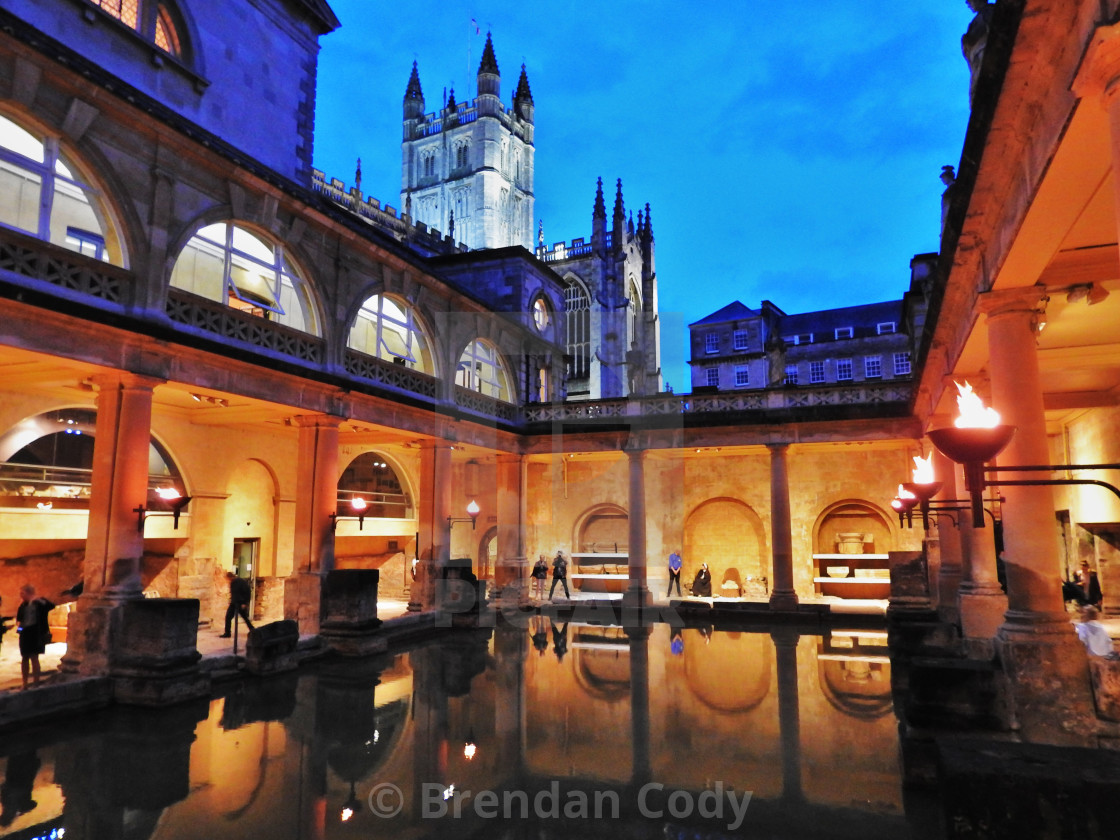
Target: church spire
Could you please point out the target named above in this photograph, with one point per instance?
(619, 229)
(413, 96)
(600, 211)
(489, 78)
(599, 218)
(488, 64)
(523, 97)
(648, 232)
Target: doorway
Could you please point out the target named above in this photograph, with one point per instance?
(245, 552)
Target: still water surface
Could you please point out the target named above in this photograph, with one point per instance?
(555, 730)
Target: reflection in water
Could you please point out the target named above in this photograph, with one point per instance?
(795, 728)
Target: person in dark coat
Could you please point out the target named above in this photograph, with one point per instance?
(559, 575)
(1085, 588)
(34, 631)
(240, 594)
(702, 583)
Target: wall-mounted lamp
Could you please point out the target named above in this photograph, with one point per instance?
(472, 515)
(923, 487)
(903, 504)
(1091, 293)
(171, 499)
(358, 505)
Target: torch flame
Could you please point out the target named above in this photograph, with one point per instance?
(923, 469)
(167, 493)
(358, 503)
(903, 493)
(973, 413)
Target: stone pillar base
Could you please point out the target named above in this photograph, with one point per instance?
(349, 624)
(636, 597)
(303, 601)
(982, 611)
(784, 601)
(154, 657)
(1048, 669)
(511, 582)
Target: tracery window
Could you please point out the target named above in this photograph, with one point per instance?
(226, 262)
(40, 194)
(480, 369)
(577, 340)
(152, 20)
(388, 329)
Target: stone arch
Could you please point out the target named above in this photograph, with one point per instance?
(859, 688)
(204, 234)
(482, 367)
(431, 354)
(720, 688)
(87, 173)
(730, 537)
(359, 484)
(250, 513)
(854, 516)
(601, 528)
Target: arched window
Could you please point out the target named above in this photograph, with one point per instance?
(461, 155)
(152, 20)
(577, 336)
(371, 477)
(40, 194)
(387, 328)
(541, 312)
(481, 369)
(225, 262)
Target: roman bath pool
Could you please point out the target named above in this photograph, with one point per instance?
(545, 730)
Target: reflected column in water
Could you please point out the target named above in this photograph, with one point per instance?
(510, 648)
(641, 771)
(789, 710)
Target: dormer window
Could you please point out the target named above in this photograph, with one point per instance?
(801, 338)
(152, 20)
(844, 332)
(885, 328)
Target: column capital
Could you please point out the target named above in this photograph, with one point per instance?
(1099, 72)
(781, 446)
(326, 421)
(1021, 299)
(125, 380)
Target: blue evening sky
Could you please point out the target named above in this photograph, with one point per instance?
(788, 151)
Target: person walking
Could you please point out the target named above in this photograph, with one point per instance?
(675, 565)
(240, 594)
(559, 575)
(34, 631)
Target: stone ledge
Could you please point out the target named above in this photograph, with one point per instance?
(55, 698)
(1105, 674)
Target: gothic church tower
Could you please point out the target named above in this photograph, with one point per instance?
(467, 170)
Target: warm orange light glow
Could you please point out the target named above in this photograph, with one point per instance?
(923, 469)
(469, 749)
(973, 415)
(903, 493)
(347, 813)
(473, 509)
(358, 503)
(167, 493)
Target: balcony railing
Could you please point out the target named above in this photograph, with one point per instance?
(66, 270)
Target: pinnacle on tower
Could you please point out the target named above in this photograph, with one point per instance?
(451, 106)
(649, 224)
(488, 64)
(523, 93)
(600, 211)
(413, 96)
(619, 215)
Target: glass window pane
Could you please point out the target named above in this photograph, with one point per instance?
(19, 198)
(71, 209)
(200, 270)
(249, 244)
(20, 141)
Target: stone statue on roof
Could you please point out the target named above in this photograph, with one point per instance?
(975, 39)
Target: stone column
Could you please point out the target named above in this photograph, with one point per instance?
(1046, 664)
(948, 538)
(783, 596)
(434, 506)
(115, 537)
(316, 500)
(981, 599)
(637, 591)
(1033, 570)
(511, 518)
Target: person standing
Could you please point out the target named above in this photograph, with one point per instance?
(559, 575)
(539, 575)
(240, 594)
(34, 631)
(675, 564)
(1088, 586)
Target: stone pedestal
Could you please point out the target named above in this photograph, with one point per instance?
(982, 607)
(271, 648)
(511, 581)
(349, 624)
(154, 659)
(1105, 675)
